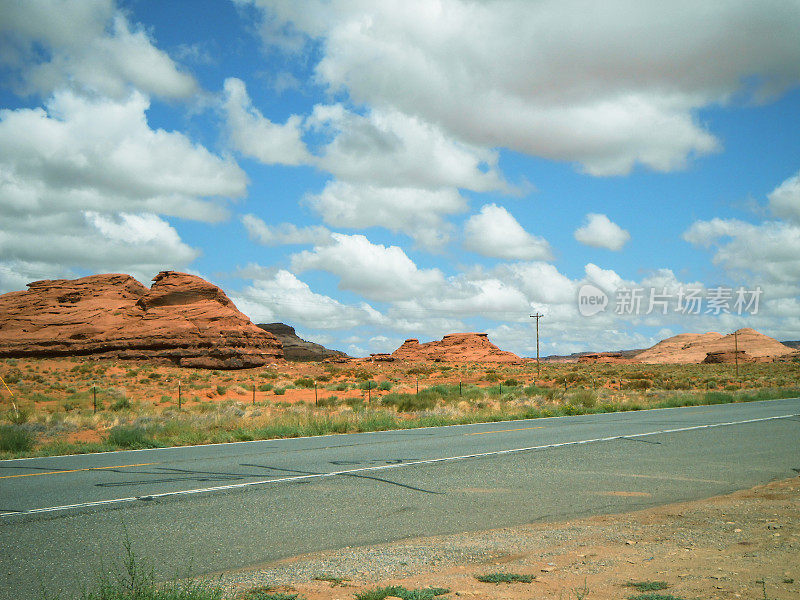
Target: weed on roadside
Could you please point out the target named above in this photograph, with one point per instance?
(504, 578)
(400, 592)
(648, 586)
(333, 580)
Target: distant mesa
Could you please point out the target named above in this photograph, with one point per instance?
(686, 348)
(297, 349)
(694, 347)
(454, 347)
(182, 319)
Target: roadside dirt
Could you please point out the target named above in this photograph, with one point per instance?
(720, 548)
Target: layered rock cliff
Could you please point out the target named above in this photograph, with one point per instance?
(455, 347)
(298, 349)
(182, 319)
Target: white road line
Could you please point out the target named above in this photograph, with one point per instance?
(427, 461)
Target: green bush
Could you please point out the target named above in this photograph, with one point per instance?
(410, 402)
(221, 390)
(15, 439)
(584, 398)
(398, 591)
(13, 376)
(121, 404)
(329, 401)
(126, 436)
(279, 391)
(304, 382)
(19, 416)
(265, 387)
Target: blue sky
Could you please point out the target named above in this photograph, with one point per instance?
(369, 172)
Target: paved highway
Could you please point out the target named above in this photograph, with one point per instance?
(227, 506)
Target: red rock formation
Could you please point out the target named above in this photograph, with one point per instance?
(731, 356)
(693, 347)
(182, 319)
(455, 347)
(607, 357)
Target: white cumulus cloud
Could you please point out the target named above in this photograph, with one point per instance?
(600, 232)
(254, 135)
(375, 271)
(416, 212)
(284, 233)
(553, 78)
(88, 45)
(784, 200)
(496, 233)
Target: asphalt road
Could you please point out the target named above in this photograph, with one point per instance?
(228, 506)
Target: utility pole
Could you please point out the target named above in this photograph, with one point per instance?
(537, 316)
(736, 353)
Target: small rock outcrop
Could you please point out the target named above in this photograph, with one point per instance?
(455, 347)
(730, 356)
(182, 319)
(297, 349)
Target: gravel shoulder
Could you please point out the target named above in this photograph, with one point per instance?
(718, 548)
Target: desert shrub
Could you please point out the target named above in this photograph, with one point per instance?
(19, 416)
(222, 390)
(14, 438)
(121, 404)
(68, 406)
(341, 387)
(717, 398)
(126, 436)
(304, 382)
(398, 591)
(278, 391)
(491, 377)
(323, 378)
(368, 385)
(637, 384)
(511, 383)
(584, 398)
(329, 401)
(265, 387)
(385, 386)
(410, 402)
(154, 376)
(13, 376)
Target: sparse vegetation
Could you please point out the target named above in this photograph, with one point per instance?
(504, 578)
(401, 592)
(15, 439)
(648, 586)
(56, 398)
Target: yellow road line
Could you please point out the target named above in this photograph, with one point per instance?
(75, 470)
(504, 430)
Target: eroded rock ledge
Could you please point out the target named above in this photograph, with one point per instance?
(182, 319)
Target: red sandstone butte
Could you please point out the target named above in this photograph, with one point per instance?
(455, 347)
(182, 319)
(694, 347)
